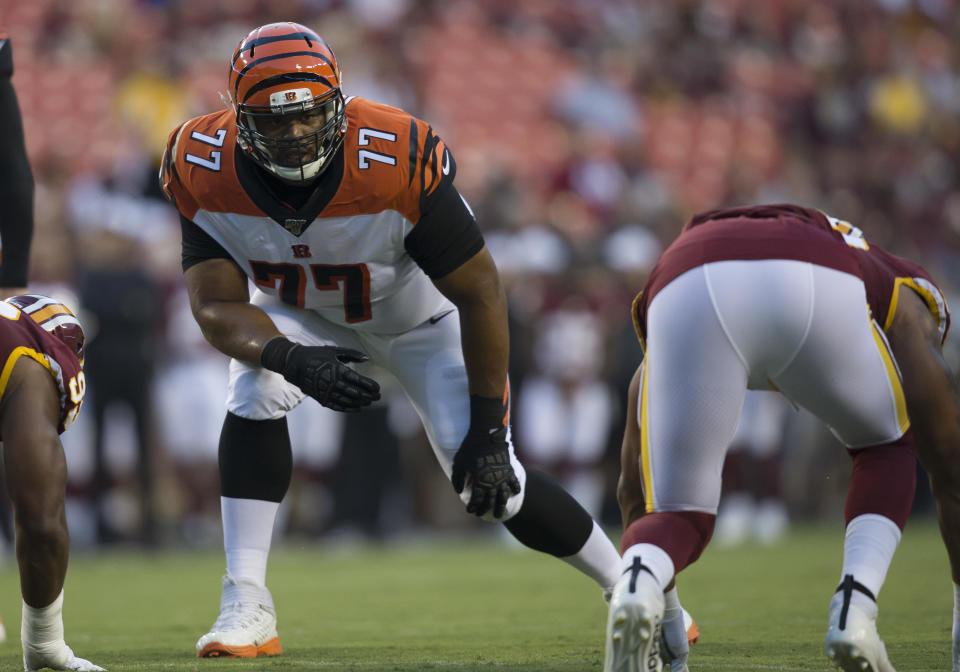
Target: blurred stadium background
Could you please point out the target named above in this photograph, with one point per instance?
(586, 132)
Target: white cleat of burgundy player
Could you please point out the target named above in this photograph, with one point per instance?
(633, 624)
(853, 643)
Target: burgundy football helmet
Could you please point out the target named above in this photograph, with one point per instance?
(54, 317)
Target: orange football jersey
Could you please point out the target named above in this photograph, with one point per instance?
(341, 254)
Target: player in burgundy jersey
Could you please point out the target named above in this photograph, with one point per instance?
(41, 390)
(783, 298)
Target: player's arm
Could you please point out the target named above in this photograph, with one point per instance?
(934, 409)
(447, 244)
(220, 301)
(476, 291)
(36, 477)
(219, 297)
(483, 456)
(36, 480)
(16, 187)
(630, 485)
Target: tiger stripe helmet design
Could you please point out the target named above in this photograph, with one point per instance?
(279, 74)
(54, 317)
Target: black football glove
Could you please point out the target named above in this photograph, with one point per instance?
(485, 457)
(320, 372)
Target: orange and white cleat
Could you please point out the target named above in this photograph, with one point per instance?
(677, 635)
(246, 626)
(693, 631)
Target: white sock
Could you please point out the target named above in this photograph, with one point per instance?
(247, 531)
(598, 558)
(868, 550)
(956, 628)
(671, 600)
(43, 625)
(41, 635)
(677, 646)
(653, 557)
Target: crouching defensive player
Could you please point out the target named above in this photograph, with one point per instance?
(790, 299)
(41, 389)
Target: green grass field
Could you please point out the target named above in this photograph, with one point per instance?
(477, 606)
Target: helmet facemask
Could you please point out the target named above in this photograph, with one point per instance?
(274, 136)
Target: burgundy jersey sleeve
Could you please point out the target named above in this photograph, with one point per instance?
(885, 275)
(20, 337)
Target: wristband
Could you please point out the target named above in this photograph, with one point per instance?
(486, 412)
(275, 352)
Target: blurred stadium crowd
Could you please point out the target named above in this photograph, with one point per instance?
(585, 131)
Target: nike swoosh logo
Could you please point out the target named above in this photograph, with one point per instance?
(446, 162)
(437, 318)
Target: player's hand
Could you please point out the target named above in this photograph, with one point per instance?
(484, 457)
(55, 656)
(320, 371)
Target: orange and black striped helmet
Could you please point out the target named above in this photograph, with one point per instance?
(55, 318)
(284, 85)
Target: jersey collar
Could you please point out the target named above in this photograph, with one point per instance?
(293, 220)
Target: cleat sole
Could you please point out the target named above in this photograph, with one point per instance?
(849, 658)
(635, 642)
(217, 650)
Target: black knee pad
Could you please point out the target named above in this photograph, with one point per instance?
(256, 460)
(550, 520)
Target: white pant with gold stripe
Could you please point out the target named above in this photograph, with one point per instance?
(720, 328)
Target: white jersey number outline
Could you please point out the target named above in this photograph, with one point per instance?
(213, 163)
(365, 156)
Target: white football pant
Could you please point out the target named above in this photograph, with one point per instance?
(427, 361)
(717, 329)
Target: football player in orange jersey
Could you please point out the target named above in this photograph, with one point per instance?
(785, 298)
(16, 187)
(41, 389)
(343, 213)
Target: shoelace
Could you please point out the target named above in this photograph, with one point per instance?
(240, 615)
